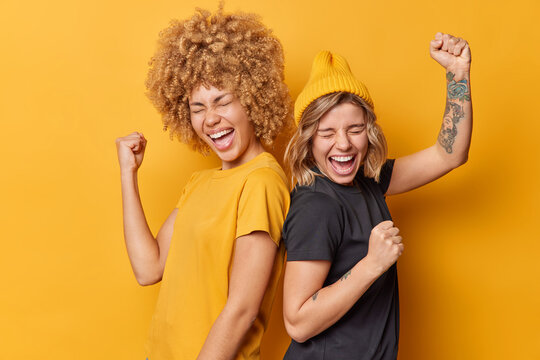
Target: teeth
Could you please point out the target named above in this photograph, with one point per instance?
(220, 134)
(341, 158)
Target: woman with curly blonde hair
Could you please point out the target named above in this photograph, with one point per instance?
(217, 81)
(340, 287)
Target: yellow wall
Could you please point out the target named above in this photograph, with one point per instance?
(72, 75)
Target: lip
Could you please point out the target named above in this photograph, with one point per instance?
(341, 155)
(346, 172)
(222, 145)
(215, 131)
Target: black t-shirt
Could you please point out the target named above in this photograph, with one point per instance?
(328, 221)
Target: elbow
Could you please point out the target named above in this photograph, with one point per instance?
(454, 161)
(242, 315)
(464, 159)
(460, 161)
(147, 282)
(146, 279)
(297, 333)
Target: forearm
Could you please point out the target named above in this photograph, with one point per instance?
(227, 334)
(142, 247)
(330, 303)
(455, 134)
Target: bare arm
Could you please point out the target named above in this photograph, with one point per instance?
(146, 253)
(309, 308)
(452, 147)
(251, 269)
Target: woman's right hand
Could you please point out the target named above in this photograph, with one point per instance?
(130, 150)
(385, 246)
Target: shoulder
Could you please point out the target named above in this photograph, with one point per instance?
(385, 176)
(265, 181)
(267, 162)
(386, 170)
(317, 204)
(265, 175)
(314, 225)
(266, 170)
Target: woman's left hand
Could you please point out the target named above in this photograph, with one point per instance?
(451, 52)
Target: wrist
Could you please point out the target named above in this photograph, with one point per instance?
(459, 72)
(371, 267)
(128, 174)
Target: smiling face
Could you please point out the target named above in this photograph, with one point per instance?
(341, 142)
(219, 119)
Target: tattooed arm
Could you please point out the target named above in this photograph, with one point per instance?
(309, 308)
(452, 146)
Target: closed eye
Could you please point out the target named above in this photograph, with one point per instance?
(357, 129)
(326, 135)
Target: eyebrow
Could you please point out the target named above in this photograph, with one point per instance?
(216, 100)
(351, 126)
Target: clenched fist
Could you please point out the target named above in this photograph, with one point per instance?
(451, 52)
(385, 246)
(130, 151)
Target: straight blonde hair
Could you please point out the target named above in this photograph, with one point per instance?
(299, 155)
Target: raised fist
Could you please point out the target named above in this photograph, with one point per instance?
(130, 150)
(385, 246)
(451, 52)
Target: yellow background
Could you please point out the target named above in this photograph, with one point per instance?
(72, 80)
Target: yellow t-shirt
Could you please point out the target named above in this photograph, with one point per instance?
(216, 207)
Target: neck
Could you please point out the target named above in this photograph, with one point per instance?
(253, 150)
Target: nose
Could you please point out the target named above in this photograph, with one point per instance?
(212, 118)
(342, 141)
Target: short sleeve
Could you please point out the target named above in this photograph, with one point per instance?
(263, 204)
(313, 228)
(386, 175)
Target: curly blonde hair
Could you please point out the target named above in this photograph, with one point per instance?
(227, 51)
(299, 154)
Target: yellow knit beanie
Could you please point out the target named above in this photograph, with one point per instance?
(330, 73)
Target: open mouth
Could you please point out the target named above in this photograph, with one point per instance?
(222, 139)
(343, 165)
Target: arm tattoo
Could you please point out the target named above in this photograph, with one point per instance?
(457, 90)
(347, 274)
(344, 277)
(453, 111)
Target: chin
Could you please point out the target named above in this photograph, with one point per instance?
(343, 180)
(342, 176)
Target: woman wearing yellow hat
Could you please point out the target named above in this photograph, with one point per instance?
(340, 290)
